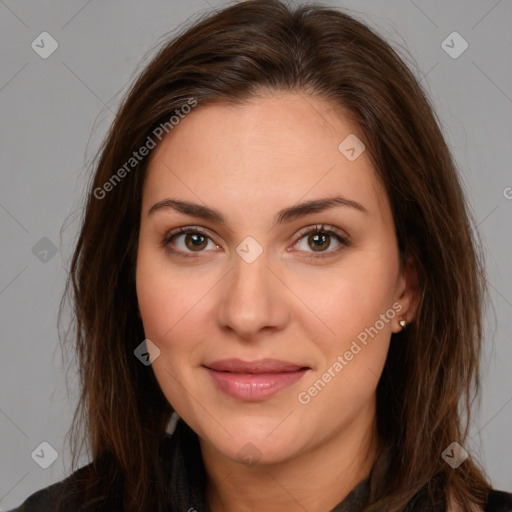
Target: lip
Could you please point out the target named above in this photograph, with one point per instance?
(254, 380)
(254, 367)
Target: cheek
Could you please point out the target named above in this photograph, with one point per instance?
(355, 306)
(354, 351)
(362, 328)
(169, 318)
(350, 298)
(159, 298)
(173, 307)
(167, 314)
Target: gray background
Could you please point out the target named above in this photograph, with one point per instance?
(55, 111)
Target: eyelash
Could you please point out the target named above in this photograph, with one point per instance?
(330, 230)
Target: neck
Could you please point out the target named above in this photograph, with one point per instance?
(315, 480)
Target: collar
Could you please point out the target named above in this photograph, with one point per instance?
(181, 455)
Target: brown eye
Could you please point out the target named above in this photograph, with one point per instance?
(196, 241)
(318, 239)
(186, 241)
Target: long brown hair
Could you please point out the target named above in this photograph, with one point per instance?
(430, 378)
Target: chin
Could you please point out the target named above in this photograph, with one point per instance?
(249, 451)
(252, 440)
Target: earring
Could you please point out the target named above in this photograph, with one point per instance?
(402, 323)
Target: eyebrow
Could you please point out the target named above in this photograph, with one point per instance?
(282, 217)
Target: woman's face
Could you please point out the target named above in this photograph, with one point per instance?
(249, 283)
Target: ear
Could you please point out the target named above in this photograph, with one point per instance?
(407, 293)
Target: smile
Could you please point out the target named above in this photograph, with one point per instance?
(254, 380)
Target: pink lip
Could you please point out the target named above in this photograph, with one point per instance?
(254, 380)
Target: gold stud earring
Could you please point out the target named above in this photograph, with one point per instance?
(402, 323)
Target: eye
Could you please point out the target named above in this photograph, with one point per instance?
(194, 239)
(319, 238)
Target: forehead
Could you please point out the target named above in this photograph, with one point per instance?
(273, 149)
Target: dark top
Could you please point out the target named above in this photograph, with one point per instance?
(187, 478)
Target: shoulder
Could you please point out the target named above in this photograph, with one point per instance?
(96, 487)
(57, 494)
(498, 501)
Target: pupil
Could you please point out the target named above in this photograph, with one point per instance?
(319, 238)
(196, 239)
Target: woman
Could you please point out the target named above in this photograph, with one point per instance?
(308, 355)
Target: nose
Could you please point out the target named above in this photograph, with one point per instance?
(254, 299)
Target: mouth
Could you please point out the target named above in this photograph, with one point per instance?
(254, 380)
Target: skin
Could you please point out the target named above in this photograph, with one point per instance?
(248, 162)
